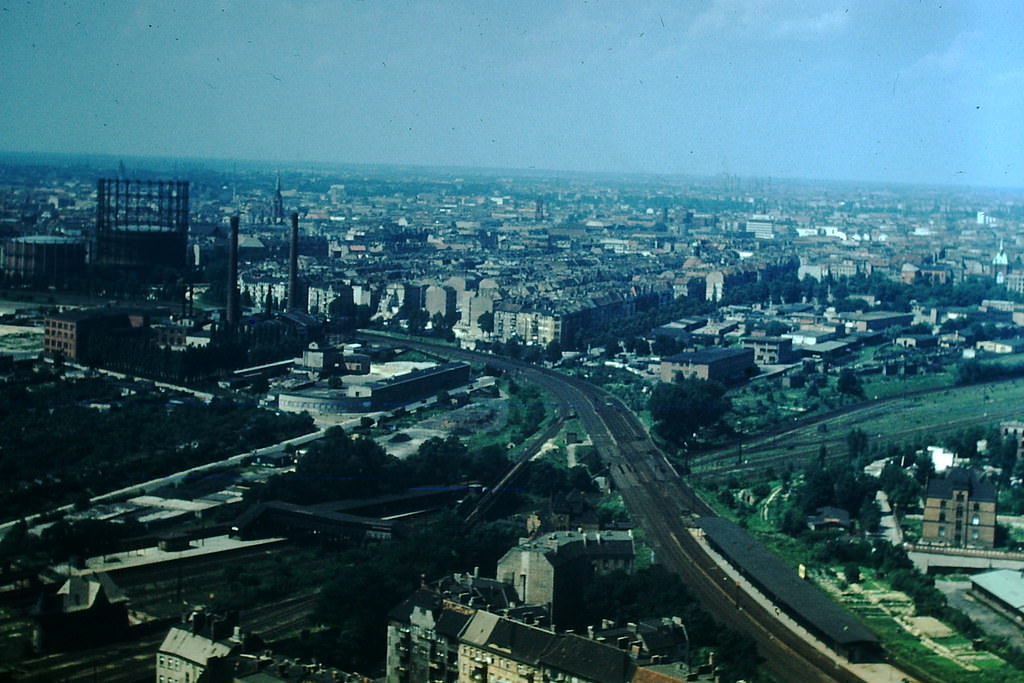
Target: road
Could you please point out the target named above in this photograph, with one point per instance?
(660, 502)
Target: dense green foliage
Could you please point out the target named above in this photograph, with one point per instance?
(526, 412)
(342, 466)
(685, 407)
(975, 372)
(610, 333)
(838, 484)
(57, 447)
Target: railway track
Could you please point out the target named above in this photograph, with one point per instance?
(281, 618)
(803, 443)
(660, 501)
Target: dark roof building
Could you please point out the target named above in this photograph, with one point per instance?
(721, 365)
(802, 601)
(85, 611)
(278, 518)
(960, 510)
(70, 334)
(434, 639)
(829, 518)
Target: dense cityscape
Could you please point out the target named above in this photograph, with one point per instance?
(392, 423)
(482, 342)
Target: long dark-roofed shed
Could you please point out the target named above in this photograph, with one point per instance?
(799, 599)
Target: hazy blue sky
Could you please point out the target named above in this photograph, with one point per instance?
(903, 91)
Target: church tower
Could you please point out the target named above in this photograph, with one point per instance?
(1000, 265)
(278, 208)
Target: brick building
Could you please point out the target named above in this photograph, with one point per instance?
(960, 510)
(69, 334)
(721, 365)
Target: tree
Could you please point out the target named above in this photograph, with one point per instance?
(681, 409)
(870, 516)
(416, 319)
(553, 352)
(444, 461)
(849, 384)
(856, 442)
(486, 322)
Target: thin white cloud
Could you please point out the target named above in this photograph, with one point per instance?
(768, 20)
(812, 27)
(956, 57)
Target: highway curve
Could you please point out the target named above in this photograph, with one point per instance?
(660, 502)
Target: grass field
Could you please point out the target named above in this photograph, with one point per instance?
(926, 418)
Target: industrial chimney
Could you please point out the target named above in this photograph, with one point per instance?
(233, 303)
(293, 268)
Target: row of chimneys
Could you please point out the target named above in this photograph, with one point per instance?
(233, 314)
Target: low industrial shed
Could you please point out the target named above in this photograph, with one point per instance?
(802, 601)
(1004, 587)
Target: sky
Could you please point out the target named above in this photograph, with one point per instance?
(889, 91)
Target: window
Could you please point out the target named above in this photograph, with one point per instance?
(975, 520)
(975, 534)
(942, 516)
(942, 531)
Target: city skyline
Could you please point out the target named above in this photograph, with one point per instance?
(924, 93)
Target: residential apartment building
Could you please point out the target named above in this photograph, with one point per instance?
(433, 639)
(209, 649)
(553, 569)
(960, 510)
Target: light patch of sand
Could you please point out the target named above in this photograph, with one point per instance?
(931, 627)
(19, 329)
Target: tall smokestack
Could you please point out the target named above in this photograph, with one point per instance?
(233, 306)
(293, 266)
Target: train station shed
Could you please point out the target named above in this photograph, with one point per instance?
(1005, 587)
(800, 600)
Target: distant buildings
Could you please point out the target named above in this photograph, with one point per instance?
(44, 258)
(770, 350)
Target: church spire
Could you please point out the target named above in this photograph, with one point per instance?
(278, 208)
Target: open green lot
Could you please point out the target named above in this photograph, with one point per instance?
(896, 420)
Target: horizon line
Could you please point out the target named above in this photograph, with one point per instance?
(501, 170)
